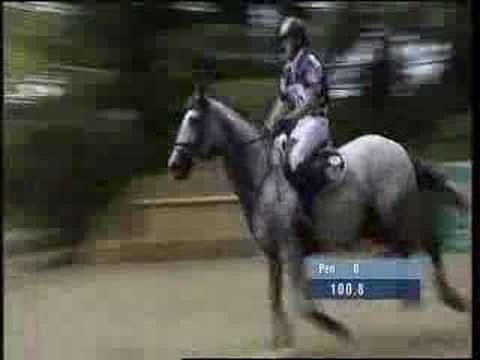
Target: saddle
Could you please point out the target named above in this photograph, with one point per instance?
(324, 168)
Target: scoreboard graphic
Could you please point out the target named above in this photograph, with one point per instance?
(364, 279)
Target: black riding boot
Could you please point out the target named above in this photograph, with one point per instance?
(308, 179)
(304, 226)
(304, 217)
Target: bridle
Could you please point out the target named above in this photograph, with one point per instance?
(189, 148)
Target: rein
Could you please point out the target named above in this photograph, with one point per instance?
(189, 146)
(249, 218)
(184, 145)
(265, 133)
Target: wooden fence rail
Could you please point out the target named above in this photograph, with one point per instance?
(186, 202)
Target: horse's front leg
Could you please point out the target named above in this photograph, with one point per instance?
(304, 303)
(281, 330)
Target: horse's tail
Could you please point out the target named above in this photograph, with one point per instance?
(431, 179)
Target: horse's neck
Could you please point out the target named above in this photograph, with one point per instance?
(246, 165)
(246, 169)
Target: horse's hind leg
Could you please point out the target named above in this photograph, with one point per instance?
(397, 222)
(394, 233)
(447, 293)
(433, 245)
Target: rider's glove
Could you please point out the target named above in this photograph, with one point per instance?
(281, 126)
(281, 142)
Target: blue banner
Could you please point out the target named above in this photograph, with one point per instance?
(366, 289)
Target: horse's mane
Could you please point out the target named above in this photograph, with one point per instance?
(234, 113)
(229, 105)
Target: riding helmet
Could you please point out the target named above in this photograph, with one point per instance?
(294, 27)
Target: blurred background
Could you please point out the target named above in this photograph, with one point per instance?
(93, 94)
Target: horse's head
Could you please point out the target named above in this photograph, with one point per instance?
(199, 135)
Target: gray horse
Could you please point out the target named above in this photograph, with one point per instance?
(379, 175)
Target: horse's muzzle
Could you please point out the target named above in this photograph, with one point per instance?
(180, 164)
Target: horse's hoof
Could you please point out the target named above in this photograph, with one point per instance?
(282, 336)
(285, 353)
(276, 354)
(455, 301)
(334, 327)
(284, 341)
(458, 304)
(343, 333)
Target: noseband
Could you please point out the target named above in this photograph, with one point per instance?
(185, 148)
(185, 145)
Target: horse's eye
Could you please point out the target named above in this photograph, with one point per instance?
(194, 116)
(195, 120)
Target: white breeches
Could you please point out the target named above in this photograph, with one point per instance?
(309, 133)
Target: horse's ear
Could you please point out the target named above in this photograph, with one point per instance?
(199, 95)
(199, 91)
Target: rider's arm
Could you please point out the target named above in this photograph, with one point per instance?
(312, 85)
(304, 109)
(281, 105)
(277, 111)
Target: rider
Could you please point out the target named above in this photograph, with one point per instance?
(298, 119)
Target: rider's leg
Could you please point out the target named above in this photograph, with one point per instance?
(308, 135)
